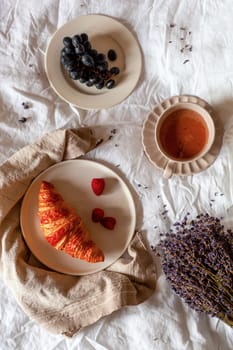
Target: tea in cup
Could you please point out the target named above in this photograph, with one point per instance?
(184, 133)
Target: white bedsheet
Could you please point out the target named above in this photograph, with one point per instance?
(163, 322)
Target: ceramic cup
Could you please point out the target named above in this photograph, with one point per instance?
(184, 133)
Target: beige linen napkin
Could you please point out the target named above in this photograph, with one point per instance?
(62, 303)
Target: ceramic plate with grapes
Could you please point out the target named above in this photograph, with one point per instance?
(93, 62)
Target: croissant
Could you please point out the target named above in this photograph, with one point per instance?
(63, 227)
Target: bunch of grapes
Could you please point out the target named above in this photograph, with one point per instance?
(197, 259)
(87, 65)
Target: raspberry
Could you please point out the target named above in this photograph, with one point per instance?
(97, 185)
(97, 214)
(108, 222)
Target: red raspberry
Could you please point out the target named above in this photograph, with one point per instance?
(97, 214)
(108, 222)
(97, 185)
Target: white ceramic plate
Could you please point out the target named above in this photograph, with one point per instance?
(153, 153)
(72, 179)
(104, 33)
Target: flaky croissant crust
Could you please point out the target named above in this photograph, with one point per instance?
(62, 226)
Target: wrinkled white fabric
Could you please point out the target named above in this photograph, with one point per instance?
(164, 321)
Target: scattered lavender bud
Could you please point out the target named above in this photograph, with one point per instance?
(22, 120)
(25, 105)
(99, 142)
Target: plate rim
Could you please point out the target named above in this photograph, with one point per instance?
(97, 103)
(132, 209)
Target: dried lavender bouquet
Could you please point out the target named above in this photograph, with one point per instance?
(197, 259)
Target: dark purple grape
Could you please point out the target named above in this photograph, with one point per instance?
(79, 49)
(105, 74)
(74, 74)
(76, 40)
(63, 52)
(64, 60)
(87, 60)
(67, 41)
(89, 83)
(69, 57)
(93, 53)
(100, 58)
(69, 50)
(100, 85)
(110, 84)
(87, 45)
(102, 66)
(94, 78)
(114, 70)
(84, 76)
(82, 80)
(79, 64)
(84, 37)
(112, 56)
(70, 66)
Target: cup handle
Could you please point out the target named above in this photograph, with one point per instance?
(168, 170)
